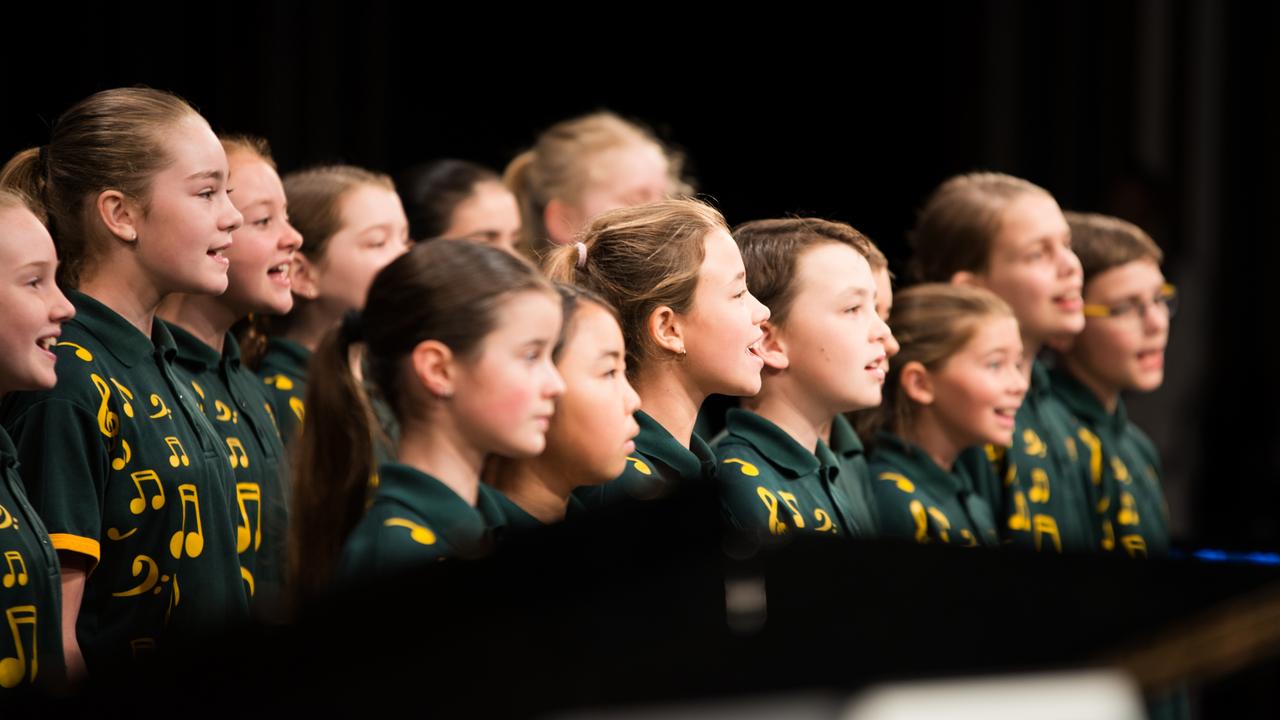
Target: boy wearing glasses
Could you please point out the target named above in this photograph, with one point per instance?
(1127, 307)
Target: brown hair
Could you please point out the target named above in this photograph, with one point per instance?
(431, 192)
(931, 322)
(13, 199)
(959, 222)
(640, 259)
(771, 251)
(111, 140)
(1103, 242)
(557, 166)
(572, 299)
(249, 144)
(449, 291)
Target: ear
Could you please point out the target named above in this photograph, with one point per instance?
(304, 276)
(561, 221)
(917, 382)
(119, 214)
(968, 279)
(434, 367)
(667, 330)
(773, 347)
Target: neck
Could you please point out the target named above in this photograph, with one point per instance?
(438, 450)
(799, 416)
(672, 401)
(536, 487)
(930, 436)
(1030, 350)
(308, 324)
(123, 289)
(201, 315)
(1106, 394)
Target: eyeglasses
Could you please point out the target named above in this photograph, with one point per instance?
(1166, 299)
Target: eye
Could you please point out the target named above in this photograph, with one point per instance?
(741, 294)
(35, 282)
(853, 308)
(263, 222)
(206, 194)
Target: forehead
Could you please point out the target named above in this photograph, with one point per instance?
(193, 148)
(722, 261)
(634, 163)
(1029, 218)
(252, 176)
(994, 332)
(833, 267)
(23, 239)
(366, 205)
(594, 332)
(1137, 277)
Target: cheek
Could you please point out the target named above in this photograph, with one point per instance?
(508, 393)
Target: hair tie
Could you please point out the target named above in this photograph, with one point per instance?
(582, 254)
(352, 327)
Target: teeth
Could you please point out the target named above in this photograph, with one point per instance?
(47, 343)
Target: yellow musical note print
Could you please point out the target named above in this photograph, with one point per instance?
(280, 382)
(995, 453)
(108, 420)
(1045, 525)
(747, 468)
(125, 457)
(899, 480)
(271, 414)
(138, 504)
(17, 573)
(793, 506)
(199, 391)
(1108, 536)
(115, 534)
(420, 534)
(1135, 545)
(247, 577)
(640, 465)
(967, 538)
(125, 397)
(921, 519)
(944, 525)
(225, 413)
(246, 493)
(1010, 474)
(147, 569)
(1021, 517)
(1039, 492)
(162, 410)
(776, 525)
(1128, 514)
(1095, 453)
(14, 669)
(1070, 444)
(1121, 470)
(239, 457)
(298, 408)
(6, 519)
(177, 455)
(824, 521)
(81, 353)
(1034, 445)
(192, 542)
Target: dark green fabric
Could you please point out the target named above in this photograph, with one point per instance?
(235, 401)
(659, 465)
(770, 484)
(1041, 488)
(416, 519)
(919, 500)
(1136, 507)
(124, 468)
(30, 589)
(284, 371)
(856, 477)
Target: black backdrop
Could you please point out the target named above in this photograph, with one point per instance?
(1163, 113)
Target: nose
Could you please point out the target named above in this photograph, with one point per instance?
(760, 313)
(1069, 263)
(881, 333)
(555, 386)
(1155, 318)
(631, 399)
(61, 309)
(231, 218)
(1018, 383)
(291, 239)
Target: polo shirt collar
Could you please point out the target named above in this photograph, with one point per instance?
(919, 461)
(1082, 403)
(782, 451)
(120, 338)
(444, 509)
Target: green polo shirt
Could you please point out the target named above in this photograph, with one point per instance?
(919, 500)
(657, 467)
(516, 519)
(1137, 515)
(125, 469)
(416, 519)
(283, 370)
(30, 589)
(852, 457)
(235, 401)
(1045, 493)
(769, 483)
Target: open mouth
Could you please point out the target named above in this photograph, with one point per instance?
(754, 348)
(1070, 301)
(1151, 359)
(46, 344)
(279, 273)
(878, 367)
(1007, 415)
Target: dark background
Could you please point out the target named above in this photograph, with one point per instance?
(1161, 112)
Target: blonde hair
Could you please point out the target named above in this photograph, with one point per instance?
(111, 140)
(932, 322)
(556, 166)
(959, 222)
(250, 145)
(640, 259)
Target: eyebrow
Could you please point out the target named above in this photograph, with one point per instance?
(211, 174)
(614, 354)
